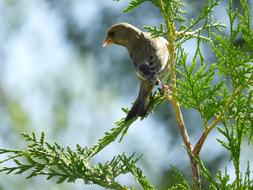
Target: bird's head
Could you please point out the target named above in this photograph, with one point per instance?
(121, 34)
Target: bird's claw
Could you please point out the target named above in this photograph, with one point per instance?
(165, 87)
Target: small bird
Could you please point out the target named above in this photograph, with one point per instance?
(150, 59)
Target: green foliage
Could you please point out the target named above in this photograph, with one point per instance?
(247, 32)
(181, 182)
(221, 91)
(155, 99)
(196, 89)
(205, 19)
(174, 10)
(223, 181)
(54, 161)
(155, 32)
(205, 14)
(238, 123)
(132, 5)
(233, 61)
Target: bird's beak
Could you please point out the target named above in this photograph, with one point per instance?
(107, 42)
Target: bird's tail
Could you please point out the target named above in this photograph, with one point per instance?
(140, 106)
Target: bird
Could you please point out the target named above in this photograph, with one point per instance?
(150, 57)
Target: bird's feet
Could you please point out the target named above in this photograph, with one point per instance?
(165, 87)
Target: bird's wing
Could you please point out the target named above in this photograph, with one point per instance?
(150, 57)
(149, 70)
(163, 52)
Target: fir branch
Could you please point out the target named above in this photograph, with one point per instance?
(132, 5)
(219, 117)
(137, 172)
(167, 12)
(195, 88)
(183, 36)
(246, 26)
(155, 31)
(207, 9)
(182, 184)
(155, 99)
(52, 160)
(110, 137)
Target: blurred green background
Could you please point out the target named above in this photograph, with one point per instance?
(56, 77)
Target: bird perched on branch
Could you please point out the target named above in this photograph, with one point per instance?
(150, 58)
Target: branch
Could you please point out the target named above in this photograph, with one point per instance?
(194, 33)
(171, 35)
(218, 118)
(52, 160)
(205, 10)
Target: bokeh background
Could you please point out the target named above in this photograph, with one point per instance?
(55, 77)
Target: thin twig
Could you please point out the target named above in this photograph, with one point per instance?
(218, 118)
(171, 36)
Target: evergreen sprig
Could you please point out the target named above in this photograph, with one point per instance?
(132, 5)
(155, 31)
(54, 161)
(204, 14)
(196, 89)
(223, 181)
(155, 99)
(238, 124)
(246, 24)
(182, 184)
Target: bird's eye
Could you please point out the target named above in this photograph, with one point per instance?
(111, 34)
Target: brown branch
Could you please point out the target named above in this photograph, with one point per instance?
(204, 135)
(171, 36)
(200, 143)
(171, 67)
